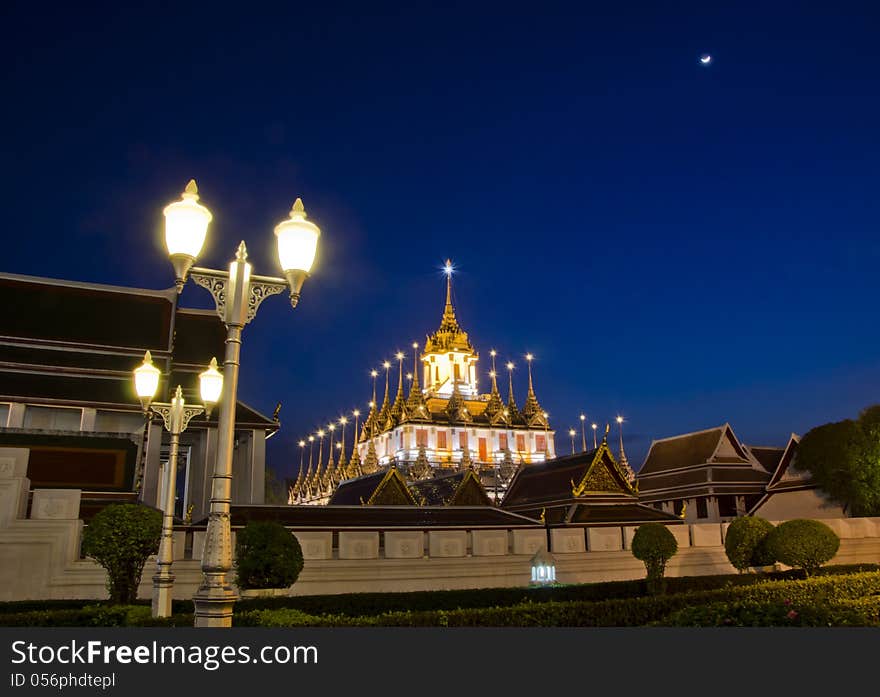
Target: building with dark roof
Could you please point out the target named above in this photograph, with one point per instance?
(390, 488)
(791, 493)
(67, 351)
(587, 488)
(708, 476)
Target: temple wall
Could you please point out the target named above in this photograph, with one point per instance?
(39, 556)
(804, 503)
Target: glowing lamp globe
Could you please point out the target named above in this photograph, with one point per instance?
(211, 385)
(146, 380)
(297, 246)
(186, 226)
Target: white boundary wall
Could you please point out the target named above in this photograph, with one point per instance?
(39, 556)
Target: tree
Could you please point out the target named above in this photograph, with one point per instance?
(120, 538)
(267, 555)
(745, 542)
(805, 544)
(655, 545)
(844, 461)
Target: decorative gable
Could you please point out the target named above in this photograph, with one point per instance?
(470, 492)
(730, 449)
(603, 476)
(392, 491)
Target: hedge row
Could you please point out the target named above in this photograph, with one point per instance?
(365, 604)
(87, 616)
(861, 612)
(618, 612)
(620, 603)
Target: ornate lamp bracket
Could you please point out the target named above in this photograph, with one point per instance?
(166, 411)
(259, 291)
(217, 283)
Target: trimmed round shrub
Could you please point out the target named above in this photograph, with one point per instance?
(655, 545)
(745, 543)
(805, 544)
(267, 555)
(120, 538)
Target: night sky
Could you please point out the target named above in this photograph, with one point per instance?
(682, 244)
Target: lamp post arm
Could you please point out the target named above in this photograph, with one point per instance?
(218, 284)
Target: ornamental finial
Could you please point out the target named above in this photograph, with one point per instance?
(241, 254)
(191, 191)
(178, 393)
(298, 210)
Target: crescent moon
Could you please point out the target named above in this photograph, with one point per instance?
(705, 59)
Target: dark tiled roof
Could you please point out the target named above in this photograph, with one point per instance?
(199, 335)
(437, 491)
(674, 479)
(682, 451)
(28, 357)
(548, 481)
(38, 308)
(786, 473)
(739, 474)
(557, 479)
(768, 457)
(623, 513)
(357, 491)
(19, 386)
(379, 517)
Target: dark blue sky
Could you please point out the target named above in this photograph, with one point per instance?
(686, 245)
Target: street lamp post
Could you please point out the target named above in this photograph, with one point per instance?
(594, 427)
(237, 295)
(583, 433)
(176, 415)
(571, 433)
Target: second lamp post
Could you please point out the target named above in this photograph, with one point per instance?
(176, 414)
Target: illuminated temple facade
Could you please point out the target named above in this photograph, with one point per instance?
(443, 424)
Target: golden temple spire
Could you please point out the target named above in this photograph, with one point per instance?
(354, 462)
(512, 409)
(318, 473)
(416, 366)
(494, 405)
(386, 405)
(343, 421)
(371, 421)
(416, 406)
(532, 409)
(448, 311)
(396, 411)
(450, 335)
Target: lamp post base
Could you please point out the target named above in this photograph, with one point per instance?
(163, 589)
(213, 606)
